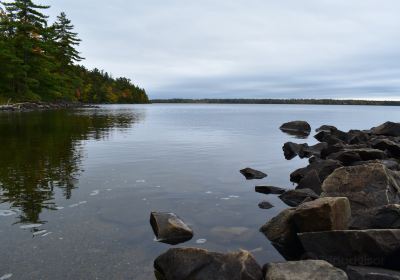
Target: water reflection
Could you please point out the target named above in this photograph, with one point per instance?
(41, 152)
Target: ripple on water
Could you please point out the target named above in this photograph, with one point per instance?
(201, 241)
(6, 276)
(30, 226)
(6, 213)
(95, 192)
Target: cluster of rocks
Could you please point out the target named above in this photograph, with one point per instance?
(343, 221)
(37, 106)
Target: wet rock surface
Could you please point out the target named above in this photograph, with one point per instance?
(303, 270)
(252, 174)
(269, 190)
(199, 264)
(169, 228)
(265, 205)
(371, 273)
(296, 197)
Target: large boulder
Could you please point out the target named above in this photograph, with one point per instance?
(301, 270)
(282, 233)
(199, 264)
(297, 128)
(371, 273)
(323, 214)
(251, 174)
(312, 151)
(374, 247)
(390, 163)
(294, 198)
(388, 129)
(169, 228)
(323, 167)
(269, 190)
(348, 156)
(387, 145)
(366, 186)
(291, 150)
(384, 217)
(311, 181)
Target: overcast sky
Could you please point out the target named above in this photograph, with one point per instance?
(244, 49)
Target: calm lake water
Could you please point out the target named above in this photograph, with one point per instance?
(77, 187)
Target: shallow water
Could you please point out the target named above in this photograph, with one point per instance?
(77, 187)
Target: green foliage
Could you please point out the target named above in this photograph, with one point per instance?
(38, 61)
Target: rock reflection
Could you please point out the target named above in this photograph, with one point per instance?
(41, 153)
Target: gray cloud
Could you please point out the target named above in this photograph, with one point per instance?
(204, 48)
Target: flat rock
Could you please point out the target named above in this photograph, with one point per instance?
(323, 214)
(366, 186)
(282, 233)
(251, 174)
(384, 217)
(265, 205)
(169, 228)
(373, 247)
(296, 128)
(371, 273)
(269, 190)
(294, 198)
(388, 129)
(303, 270)
(199, 264)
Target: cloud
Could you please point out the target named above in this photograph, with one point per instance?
(288, 48)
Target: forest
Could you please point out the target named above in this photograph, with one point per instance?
(39, 61)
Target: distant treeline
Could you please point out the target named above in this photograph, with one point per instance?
(279, 101)
(38, 61)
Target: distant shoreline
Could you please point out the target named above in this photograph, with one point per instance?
(278, 101)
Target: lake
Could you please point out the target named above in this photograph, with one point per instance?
(77, 187)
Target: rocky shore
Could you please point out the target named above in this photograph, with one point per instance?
(343, 220)
(39, 106)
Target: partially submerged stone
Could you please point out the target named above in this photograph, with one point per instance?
(294, 198)
(199, 264)
(373, 247)
(303, 270)
(299, 128)
(251, 174)
(269, 190)
(371, 273)
(169, 228)
(323, 214)
(265, 205)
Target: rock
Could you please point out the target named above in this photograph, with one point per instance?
(251, 174)
(387, 145)
(323, 214)
(366, 186)
(294, 198)
(311, 181)
(327, 128)
(291, 150)
(265, 205)
(199, 264)
(391, 164)
(323, 167)
(310, 151)
(384, 217)
(373, 247)
(371, 273)
(357, 137)
(327, 137)
(347, 157)
(281, 231)
(303, 270)
(296, 127)
(169, 228)
(388, 129)
(269, 190)
(227, 234)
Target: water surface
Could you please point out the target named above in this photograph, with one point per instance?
(77, 187)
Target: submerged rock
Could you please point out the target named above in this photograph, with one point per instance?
(294, 198)
(371, 273)
(323, 214)
(269, 190)
(303, 270)
(199, 264)
(282, 233)
(300, 128)
(169, 228)
(366, 186)
(265, 205)
(384, 217)
(374, 247)
(251, 174)
(388, 129)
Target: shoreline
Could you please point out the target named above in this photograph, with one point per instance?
(42, 106)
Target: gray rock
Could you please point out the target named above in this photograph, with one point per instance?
(251, 174)
(388, 129)
(312, 151)
(282, 233)
(384, 217)
(291, 150)
(269, 190)
(265, 205)
(323, 214)
(387, 145)
(193, 263)
(311, 181)
(169, 228)
(303, 270)
(294, 198)
(327, 128)
(371, 273)
(323, 167)
(297, 128)
(374, 247)
(348, 156)
(366, 186)
(391, 164)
